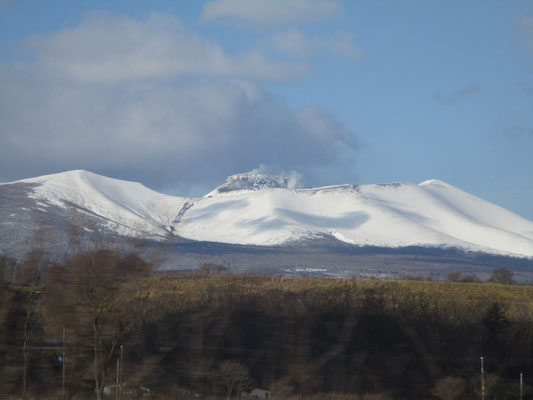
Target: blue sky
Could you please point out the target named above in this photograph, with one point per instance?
(180, 94)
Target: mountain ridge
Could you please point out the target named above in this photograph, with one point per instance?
(258, 209)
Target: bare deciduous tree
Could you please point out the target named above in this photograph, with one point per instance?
(449, 388)
(459, 277)
(232, 377)
(503, 276)
(98, 292)
(454, 276)
(212, 268)
(30, 277)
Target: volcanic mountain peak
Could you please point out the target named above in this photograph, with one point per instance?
(256, 208)
(251, 181)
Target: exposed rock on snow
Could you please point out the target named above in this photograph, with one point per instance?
(253, 180)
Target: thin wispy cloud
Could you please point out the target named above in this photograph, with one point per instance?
(519, 132)
(6, 3)
(455, 97)
(342, 44)
(298, 44)
(268, 13)
(527, 29)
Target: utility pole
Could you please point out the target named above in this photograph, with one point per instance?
(117, 385)
(521, 385)
(120, 371)
(63, 361)
(482, 380)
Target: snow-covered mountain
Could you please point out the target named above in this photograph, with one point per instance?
(258, 209)
(128, 208)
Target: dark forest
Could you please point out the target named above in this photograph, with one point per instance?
(101, 325)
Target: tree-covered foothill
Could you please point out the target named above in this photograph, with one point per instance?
(213, 335)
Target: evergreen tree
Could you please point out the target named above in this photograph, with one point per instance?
(495, 320)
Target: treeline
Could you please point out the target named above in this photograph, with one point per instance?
(498, 275)
(216, 335)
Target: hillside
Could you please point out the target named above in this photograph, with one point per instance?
(298, 336)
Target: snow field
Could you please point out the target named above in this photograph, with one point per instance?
(432, 213)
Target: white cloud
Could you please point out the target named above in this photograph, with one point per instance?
(270, 12)
(527, 26)
(454, 97)
(192, 132)
(108, 49)
(296, 43)
(342, 44)
(110, 96)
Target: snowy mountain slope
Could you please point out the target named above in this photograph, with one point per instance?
(128, 208)
(477, 209)
(258, 209)
(400, 214)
